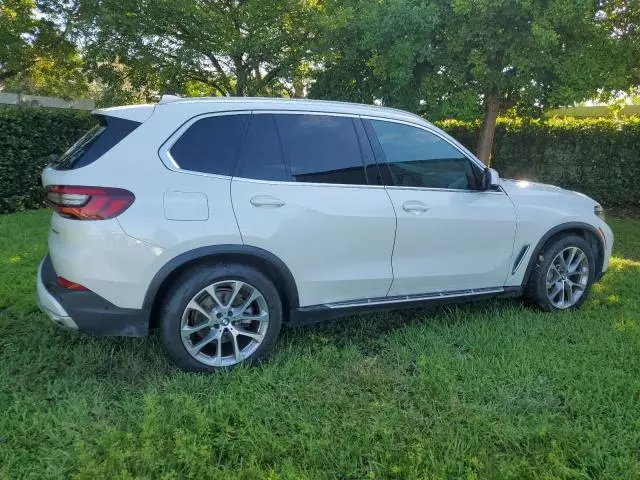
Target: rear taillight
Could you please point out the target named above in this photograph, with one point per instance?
(89, 203)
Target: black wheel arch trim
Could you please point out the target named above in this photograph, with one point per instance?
(203, 253)
(569, 226)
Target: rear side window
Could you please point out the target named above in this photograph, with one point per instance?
(261, 156)
(95, 143)
(210, 145)
(321, 149)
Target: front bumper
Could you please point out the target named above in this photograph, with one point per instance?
(85, 310)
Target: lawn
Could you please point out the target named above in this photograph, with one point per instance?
(485, 390)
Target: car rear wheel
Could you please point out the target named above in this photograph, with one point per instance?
(563, 275)
(218, 316)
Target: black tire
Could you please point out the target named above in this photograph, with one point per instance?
(536, 289)
(192, 281)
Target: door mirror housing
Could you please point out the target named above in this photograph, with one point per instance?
(490, 179)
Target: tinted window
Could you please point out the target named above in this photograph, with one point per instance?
(418, 158)
(210, 145)
(321, 149)
(260, 156)
(95, 143)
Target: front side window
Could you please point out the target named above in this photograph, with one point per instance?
(321, 149)
(418, 158)
(210, 145)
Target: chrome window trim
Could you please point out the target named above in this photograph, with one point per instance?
(170, 163)
(452, 190)
(311, 184)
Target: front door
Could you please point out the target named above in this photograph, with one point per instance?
(450, 235)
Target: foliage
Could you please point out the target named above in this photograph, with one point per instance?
(622, 18)
(598, 157)
(483, 390)
(27, 137)
(467, 58)
(34, 56)
(215, 47)
(421, 56)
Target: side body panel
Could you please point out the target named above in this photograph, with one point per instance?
(462, 240)
(540, 208)
(336, 240)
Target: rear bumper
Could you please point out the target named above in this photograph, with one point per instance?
(86, 311)
(49, 305)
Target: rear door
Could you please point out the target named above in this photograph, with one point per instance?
(305, 190)
(451, 236)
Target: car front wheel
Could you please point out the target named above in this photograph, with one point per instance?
(563, 275)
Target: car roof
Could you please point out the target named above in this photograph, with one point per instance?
(202, 105)
(288, 103)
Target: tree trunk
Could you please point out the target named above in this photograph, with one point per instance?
(241, 76)
(488, 128)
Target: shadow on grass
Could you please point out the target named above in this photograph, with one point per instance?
(369, 332)
(33, 348)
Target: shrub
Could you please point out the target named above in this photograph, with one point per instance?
(596, 156)
(28, 136)
(599, 157)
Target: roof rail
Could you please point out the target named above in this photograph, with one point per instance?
(168, 99)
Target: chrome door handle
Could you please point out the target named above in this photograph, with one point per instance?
(266, 201)
(413, 206)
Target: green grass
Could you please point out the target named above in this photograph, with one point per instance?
(487, 390)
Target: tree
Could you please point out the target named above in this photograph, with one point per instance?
(525, 54)
(34, 56)
(472, 56)
(622, 18)
(219, 47)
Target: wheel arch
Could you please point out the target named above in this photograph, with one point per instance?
(265, 261)
(585, 230)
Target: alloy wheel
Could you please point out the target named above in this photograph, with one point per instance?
(224, 323)
(567, 277)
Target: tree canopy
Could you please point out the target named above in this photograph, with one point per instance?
(214, 47)
(444, 58)
(34, 55)
(470, 57)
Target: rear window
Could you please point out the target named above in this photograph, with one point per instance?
(95, 143)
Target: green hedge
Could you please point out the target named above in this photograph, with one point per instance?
(599, 157)
(596, 156)
(28, 136)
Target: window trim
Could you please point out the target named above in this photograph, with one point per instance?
(164, 152)
(383, 160)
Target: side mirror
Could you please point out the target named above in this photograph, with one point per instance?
(490, 179)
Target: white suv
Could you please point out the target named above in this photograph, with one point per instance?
(219, 220)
